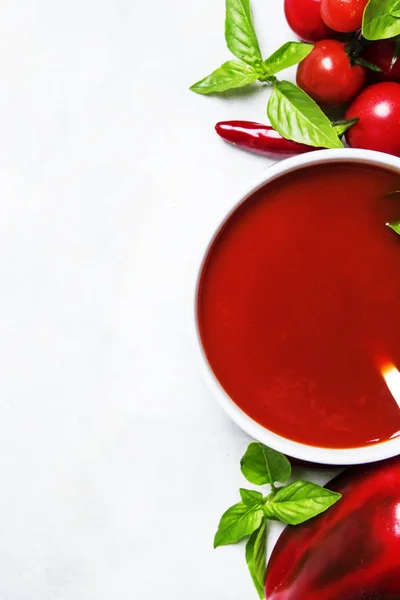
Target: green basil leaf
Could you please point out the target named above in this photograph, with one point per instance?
(261, 465)
(342, 126)
(297, 117)
(260, 553)
(379, 22)
(238, 522)
(286, 56)
(251, 497)
(395, 226)
(299, 502)
(232, 74)
(256, 557)
(395, 9)
(240, 34)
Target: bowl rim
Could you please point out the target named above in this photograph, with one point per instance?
(298, 450)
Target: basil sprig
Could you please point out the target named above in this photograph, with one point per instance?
(292, 504)
(381, 19)
(286, 56)
(292, 113)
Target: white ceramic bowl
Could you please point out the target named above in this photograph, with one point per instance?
(370, 453)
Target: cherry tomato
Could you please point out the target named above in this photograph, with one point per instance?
(343, 15)
(378, 108)
(304, 18)
(381, 54)
(327, 76)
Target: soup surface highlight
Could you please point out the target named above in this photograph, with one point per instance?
(299, 306)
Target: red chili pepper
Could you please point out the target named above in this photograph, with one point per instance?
(352, 551)
(259, 138)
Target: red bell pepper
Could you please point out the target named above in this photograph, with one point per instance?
(351, 552)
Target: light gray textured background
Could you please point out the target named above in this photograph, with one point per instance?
(115, 462)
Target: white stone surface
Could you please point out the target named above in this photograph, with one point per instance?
(115, 463)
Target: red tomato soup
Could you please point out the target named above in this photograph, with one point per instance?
(299, 306)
